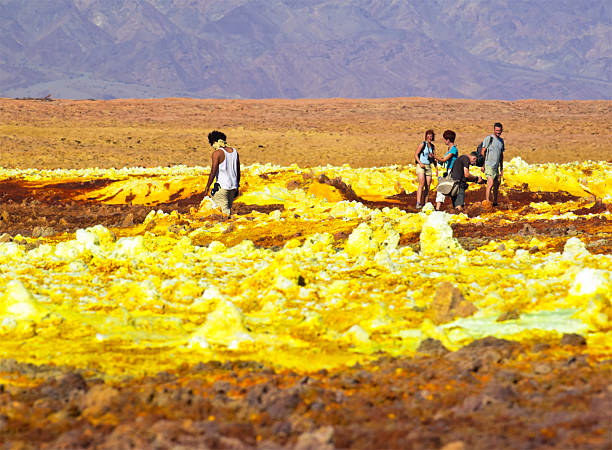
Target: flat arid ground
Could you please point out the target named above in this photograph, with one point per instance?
(328, 312)
(362, 133)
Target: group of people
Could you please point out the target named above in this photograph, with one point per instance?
(491, 153)
(224, 177)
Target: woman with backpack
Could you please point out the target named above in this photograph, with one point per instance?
(424, 156)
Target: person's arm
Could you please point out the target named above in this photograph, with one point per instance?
(501, 164)
(215, 160)
(483, 152)
(432, 156)
(238, 171)
(445, 158)
(484, 149)
(417, 153)
(468, 176)
(434, 159)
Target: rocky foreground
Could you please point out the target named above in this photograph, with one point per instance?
(493, 393)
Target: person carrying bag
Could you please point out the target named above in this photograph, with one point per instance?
(457, 179)
(424, 157)
(446, 185)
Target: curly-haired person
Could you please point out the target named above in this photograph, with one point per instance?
(225, 169)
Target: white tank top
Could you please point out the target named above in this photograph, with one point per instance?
(228, 170)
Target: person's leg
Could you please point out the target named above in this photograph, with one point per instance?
(426, 188)
(439, 200)
(231, 196)
(221, 200)
(421, 183)
(491, 174)
(454, 200)
(459, 199)
(495, 190)
(488, 189)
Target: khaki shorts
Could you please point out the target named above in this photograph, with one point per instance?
(491, 172)
(426, 171)
(224, 198)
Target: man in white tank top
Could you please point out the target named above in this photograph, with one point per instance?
(225, 168)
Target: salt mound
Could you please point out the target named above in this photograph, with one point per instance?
(369, 240)
(588, 282)
(17, 302)
(593, 289)
(574, 248)
(437, 235)
(225, 325)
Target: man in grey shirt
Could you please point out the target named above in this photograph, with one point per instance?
(494, 162)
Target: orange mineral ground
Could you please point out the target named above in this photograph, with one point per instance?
(327, 312)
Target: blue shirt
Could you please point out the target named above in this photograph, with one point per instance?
(453, 151)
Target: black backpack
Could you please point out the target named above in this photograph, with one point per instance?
(433, 149)
(481, 152)
(480, 157)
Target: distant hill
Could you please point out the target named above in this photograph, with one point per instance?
(553, 49)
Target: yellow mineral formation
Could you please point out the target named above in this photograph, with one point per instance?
(437, 235)
(18, 303)
(305, 275)
(224, 325)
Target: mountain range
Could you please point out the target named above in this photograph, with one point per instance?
(481, 49)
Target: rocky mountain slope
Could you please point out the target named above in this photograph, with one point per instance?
(552, 49)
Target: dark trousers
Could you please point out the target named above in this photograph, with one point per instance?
(459, 199)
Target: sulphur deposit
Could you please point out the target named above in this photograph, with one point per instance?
(320, 279)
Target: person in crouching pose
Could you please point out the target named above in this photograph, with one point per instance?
(225, 169)
(461, 172)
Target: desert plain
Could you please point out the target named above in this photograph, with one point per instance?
(328, 312)
(362, 133)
